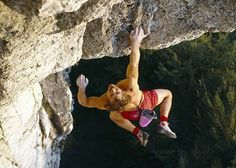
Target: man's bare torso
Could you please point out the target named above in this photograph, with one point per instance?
(135, 94)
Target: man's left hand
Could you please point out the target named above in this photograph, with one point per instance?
(82, 82)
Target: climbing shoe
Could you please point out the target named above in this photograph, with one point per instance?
(163, 128)
(143, 137)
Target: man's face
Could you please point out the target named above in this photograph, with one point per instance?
(114, 92)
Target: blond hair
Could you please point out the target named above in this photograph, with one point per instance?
(117, 104)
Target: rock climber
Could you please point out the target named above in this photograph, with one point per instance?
(125, 99)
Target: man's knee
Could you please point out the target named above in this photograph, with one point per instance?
(163, 94)
(168, 93)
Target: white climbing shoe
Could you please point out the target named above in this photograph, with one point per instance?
(163, 128)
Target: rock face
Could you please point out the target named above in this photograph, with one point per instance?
(34, 124)
(43, 37)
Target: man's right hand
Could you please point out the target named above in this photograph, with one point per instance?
(82, 82)
(136, 36)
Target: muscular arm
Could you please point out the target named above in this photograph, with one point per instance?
(136, 37)
(93, 101)
(132, 69)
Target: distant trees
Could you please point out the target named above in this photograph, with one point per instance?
(202, 74)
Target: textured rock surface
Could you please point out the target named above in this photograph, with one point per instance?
(42, 37)
(35, 124)
(58, 100)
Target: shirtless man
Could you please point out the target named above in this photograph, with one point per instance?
(125, 98)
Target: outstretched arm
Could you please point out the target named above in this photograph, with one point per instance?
(93, 101)
(136, 37)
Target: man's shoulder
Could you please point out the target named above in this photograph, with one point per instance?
(126, 84)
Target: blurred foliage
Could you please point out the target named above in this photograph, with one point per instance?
(202, 77)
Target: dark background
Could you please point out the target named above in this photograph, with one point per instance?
(202, 77)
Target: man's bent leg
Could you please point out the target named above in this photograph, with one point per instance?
(127, 125)
(165, 101)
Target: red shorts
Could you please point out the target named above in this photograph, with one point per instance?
(149, 102)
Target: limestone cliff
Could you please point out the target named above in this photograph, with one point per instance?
(41, 38)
